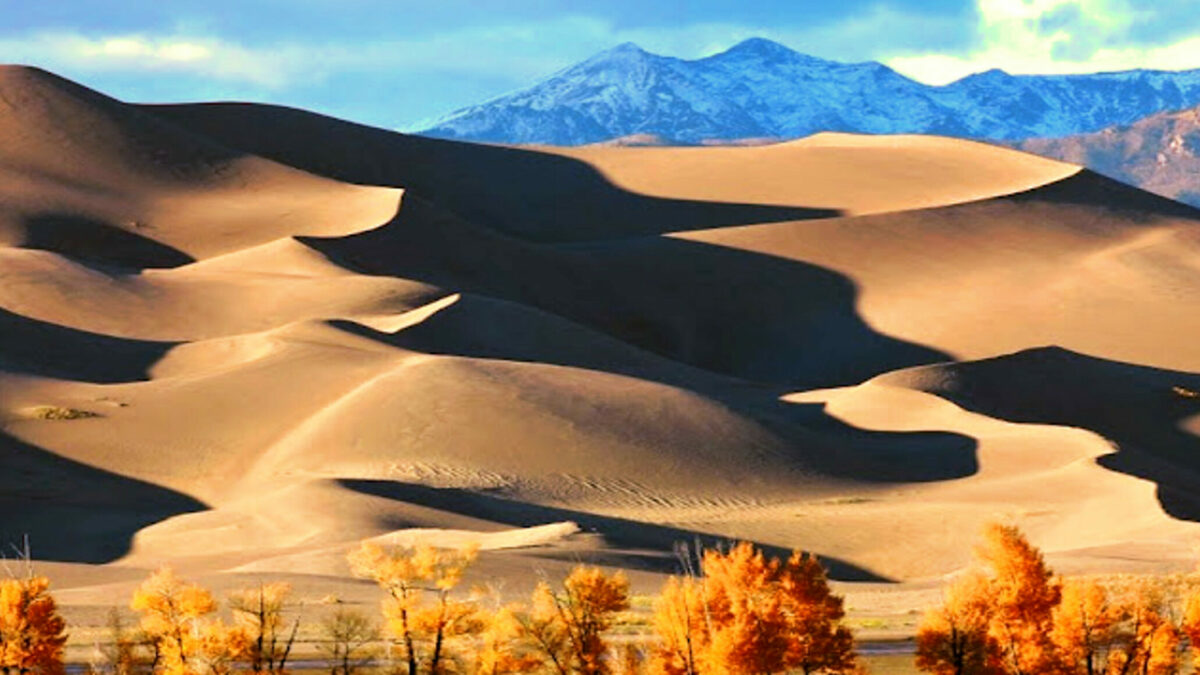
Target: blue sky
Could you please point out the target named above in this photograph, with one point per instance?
(391, 63)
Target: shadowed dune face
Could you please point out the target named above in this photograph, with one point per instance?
(231, 328)
(33, 347)
(523, 193)
(739, 313)
(629, 534)
(74, 512)
(1148, 413)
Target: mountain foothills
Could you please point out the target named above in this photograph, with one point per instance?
(243, 338)
(1160, 153)
(760, 89)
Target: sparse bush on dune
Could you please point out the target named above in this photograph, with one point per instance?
(59, 413)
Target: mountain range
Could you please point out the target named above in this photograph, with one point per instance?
(1160, 153)
(762, 89)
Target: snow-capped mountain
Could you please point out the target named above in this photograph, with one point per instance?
(760, 88)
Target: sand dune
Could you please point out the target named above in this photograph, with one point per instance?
(241, 338)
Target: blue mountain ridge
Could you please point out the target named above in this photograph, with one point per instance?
(762, 89)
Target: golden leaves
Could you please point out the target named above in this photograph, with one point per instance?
(751, 614)
(32, 634)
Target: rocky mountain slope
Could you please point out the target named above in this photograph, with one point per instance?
(1160, 153)
(760, 88)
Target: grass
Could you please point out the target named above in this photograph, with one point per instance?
(57, 412)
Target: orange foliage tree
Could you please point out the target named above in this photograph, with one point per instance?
(953, 639)
(259, 613)
(568, 627)
(176, 617)
(751, 614)
(1088, 626)
(32, 634)
(1190, 626)
(408, 574)
(1150, 645)
(1023, 595)
(502, 647)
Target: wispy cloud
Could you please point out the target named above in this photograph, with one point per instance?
(1051, 36)
(138, 52)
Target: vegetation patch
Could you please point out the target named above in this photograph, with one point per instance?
(57, 412)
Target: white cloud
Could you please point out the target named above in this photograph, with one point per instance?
(203, 56)
(1050, 36)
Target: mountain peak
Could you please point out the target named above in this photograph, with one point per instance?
(758, 46)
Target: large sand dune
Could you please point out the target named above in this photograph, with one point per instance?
(241, 338)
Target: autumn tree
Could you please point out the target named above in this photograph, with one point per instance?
(817, 641)
(32, 633)
(953, 639)
(1151, 643)
(259, 612)
(176, 617)
(124, 652)
(682, 627)
(347, 636)
(502, 647)
(409, 575)
(1088, 626)
(1023, 595)
(748, 613)
(1190, 625)
(568, 626)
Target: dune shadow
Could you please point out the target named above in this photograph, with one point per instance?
(1139, 408)
(537, 196)
(96, 242)
(35, 347)
(737, 313)
(867, 455)
(617, 531)
(1093, 190)
(72, 512)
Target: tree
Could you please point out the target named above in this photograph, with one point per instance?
(408, 574)
(1151, 643)
(1191, 625)
(568, 627)
(347, 634)
(124, 653)
(259, 613)
(953, 639)
(502, 645)
(751, 614)
(1023, 595)
(681, 626)
(817, 640)
(1088, 626)
(748, 631)
(175, 616)
(32, 633)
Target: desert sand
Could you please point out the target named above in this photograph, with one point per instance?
(241, 338)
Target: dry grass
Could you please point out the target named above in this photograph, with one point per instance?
(56, 412)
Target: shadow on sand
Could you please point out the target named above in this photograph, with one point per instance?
(536, 196)
(72, 512)
(35, 347)
(1151, 414)
(616, 531)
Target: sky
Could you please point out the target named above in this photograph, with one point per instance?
(394, 63)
